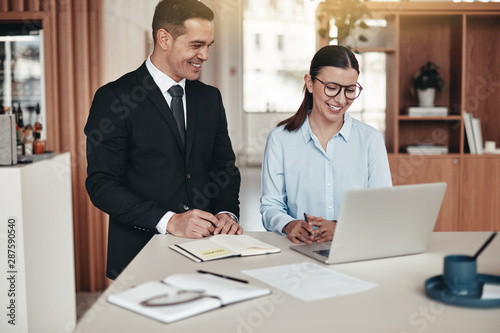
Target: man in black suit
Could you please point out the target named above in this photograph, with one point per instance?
(143, 171)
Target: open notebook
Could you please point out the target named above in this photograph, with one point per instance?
(223, 246)
(184, 295)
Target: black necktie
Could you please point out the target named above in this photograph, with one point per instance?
(178, 109)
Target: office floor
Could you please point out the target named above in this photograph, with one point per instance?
(249, 219)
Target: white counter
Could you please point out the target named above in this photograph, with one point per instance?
(37, 268)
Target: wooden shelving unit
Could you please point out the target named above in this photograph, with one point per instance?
(464, 40)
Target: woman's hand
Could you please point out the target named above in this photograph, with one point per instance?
(324, 229)
(299, 231)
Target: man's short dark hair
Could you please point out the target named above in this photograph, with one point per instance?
(171, 14)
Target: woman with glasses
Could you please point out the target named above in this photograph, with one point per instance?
(312, 158)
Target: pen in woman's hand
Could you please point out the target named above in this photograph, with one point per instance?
(307, 221)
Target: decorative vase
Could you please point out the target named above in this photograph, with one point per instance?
(426, 96)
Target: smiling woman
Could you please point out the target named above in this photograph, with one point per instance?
(312, 158)
(327, 114)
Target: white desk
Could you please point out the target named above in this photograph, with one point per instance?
(397, 305)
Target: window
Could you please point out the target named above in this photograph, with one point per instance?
(274, 67)
(257, 42)
(280, 43)
(371, 105)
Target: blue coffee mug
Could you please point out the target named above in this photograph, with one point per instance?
(460, 275)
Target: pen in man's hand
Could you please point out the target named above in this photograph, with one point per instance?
(186, 208)
(222, 276)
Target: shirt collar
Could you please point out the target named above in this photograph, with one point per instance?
(345, 130)
(306, 130)
(162, 80)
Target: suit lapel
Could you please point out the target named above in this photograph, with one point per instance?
(193, 107)
(157, 98)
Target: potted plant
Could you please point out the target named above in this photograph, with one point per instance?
(349, 16)
(427, 81)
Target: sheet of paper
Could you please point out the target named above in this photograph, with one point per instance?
(308, 281)
(491, 291)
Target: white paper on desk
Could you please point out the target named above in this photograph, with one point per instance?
(308, 281)
(491, 291)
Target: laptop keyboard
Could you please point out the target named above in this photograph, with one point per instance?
(324, 253)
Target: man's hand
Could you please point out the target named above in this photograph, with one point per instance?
(227, 225)
(193, 224)
(299, 231)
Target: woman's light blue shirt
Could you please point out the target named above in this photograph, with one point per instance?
(299, 176)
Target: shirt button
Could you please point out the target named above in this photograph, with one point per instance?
(330, 207)
(188, 176)
(329, 185)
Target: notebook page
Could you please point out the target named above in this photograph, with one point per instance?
(226, 290)
(244, 244)
(131, 299)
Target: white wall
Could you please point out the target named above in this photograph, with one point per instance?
(127, 38)
(224, 68)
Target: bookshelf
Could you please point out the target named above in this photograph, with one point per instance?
(464, 40)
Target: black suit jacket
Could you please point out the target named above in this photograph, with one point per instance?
(137, 168)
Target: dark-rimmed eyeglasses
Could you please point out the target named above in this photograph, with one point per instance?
(332, 89)
(178, 297)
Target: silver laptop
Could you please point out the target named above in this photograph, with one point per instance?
(381, 222)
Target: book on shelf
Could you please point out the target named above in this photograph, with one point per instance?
(478, 136)
(223, 246)
(180, 296)
(427, 149)
(469, 132)
(427, 111)
(473, 133)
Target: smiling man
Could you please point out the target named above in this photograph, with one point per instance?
(159, 156)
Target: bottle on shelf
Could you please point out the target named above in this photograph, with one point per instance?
(39, 143)
(28, 141)
(20, 123)
(14, 112)
(19, 144)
